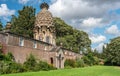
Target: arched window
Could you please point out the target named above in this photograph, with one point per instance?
(39, 38)
(48, 39)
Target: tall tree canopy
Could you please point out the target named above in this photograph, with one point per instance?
(71, 38)
(24, 23)
(1, 27)
(112, 52)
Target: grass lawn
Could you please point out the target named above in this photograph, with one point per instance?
(87, 71)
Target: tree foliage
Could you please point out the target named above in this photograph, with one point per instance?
(71, 38)
(70, 63)
(24, 23)
(112, 52)
(30, 63)
(1, 26)
(90, 58)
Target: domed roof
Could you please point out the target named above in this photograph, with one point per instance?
(44, 17)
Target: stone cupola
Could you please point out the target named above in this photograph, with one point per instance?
(44, 18)
(44, 29)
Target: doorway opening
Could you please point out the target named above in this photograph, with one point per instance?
(51, 60)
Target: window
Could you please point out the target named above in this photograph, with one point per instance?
(21, 41)
(39, 38)
(70, 53)
(34, 44)
(45, 48)
(66, 53)
(48, 39)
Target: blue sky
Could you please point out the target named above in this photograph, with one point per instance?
(99, 18)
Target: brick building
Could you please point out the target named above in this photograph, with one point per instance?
(43, 46)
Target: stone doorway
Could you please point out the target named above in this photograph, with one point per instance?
(51, 61)
(60, 59)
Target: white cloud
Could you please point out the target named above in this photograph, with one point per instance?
(52, 1)
(73, 9)
(23, 1)
(81, 8)
(97, 38)
(99, 48)
(5, 12)
(91, 22)
(82, 12)
(113, 30)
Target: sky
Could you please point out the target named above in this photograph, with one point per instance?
(99, 18)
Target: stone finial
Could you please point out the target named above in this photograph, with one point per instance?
(44, 5)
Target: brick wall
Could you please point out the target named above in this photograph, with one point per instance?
(21, 53)
(28, 43)
(42, 52)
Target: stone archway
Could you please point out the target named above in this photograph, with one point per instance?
(60, 59)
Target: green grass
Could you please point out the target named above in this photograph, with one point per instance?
(87, 71)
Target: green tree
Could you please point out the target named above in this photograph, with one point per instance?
(24, 23)
(62, 29)
(71, 38)
(112, 52)
(9, 57)
(1, 26)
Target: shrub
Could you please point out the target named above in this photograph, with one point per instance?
(1, 54)
(6, 63)
(10, 67)
(90, 60)
(70, 63)
(30, 63)
(44, 66)
(96, 60)
(0, 47)
(80, 63)
(1, 57)
(9, 57)
(86, 60)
